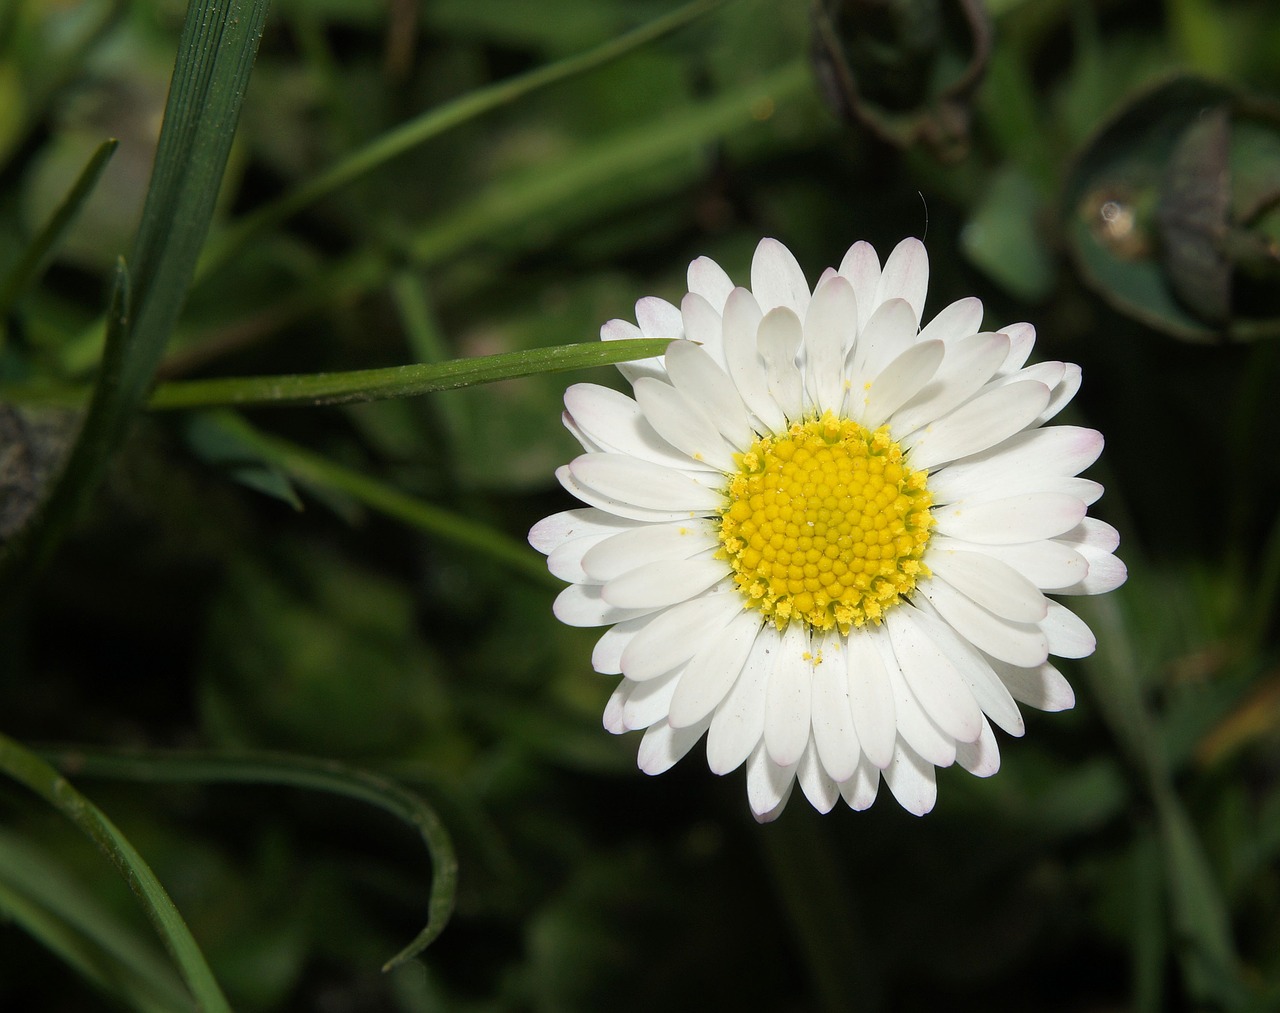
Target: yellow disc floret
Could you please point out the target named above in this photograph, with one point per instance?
(825, 524)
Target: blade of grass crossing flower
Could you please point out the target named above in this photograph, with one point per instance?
(298, 772)
(312, 469)
(44, 899)
(215, 55)
(437, 121)
(34, 773)
(45, 243)
(399, 381)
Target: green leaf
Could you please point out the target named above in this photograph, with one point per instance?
(298, 772)
(215, 55)
(34, 773)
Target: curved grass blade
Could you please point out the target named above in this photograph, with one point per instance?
(31, 771)
(215, 55)
(311, 469)
(43, 898)
(45, 244)
(297, 772)
(437, 121)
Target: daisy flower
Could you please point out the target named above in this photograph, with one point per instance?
(821, 535)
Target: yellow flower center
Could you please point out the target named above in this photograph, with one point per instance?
(825, 524)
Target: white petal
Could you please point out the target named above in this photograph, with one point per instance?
(615, 422)
(968, 364)
(712, 672)
(979, 424)
(565, 560)
(906, 276)
(709, 280)
(1069, 635)
(834, 736)
(915, 727)
(1049, 563)
(663, 746)
(618, 330)
(994, 585)
(658, 318)
(1042, 687)
(582, 605)
(672, 638)
(859, 791)
(815, 782)
(911, 780)
(613, 709)
(665, 582)
(976, 671)
(890, 332)
(627, 481)
(701, 380)
(1106, 573)
(742, 318)
(1018, 464)
(1048, 373)
(777, 280)
(567, 525)
(788, 699)
(1016, 643)
(862, 267)
(829, 328)
(870, 696)
(649, 702)
(738, 724)
(779, 340)
(703, 327)
(683, 424)
(959, 320)
(1063, 393)
(1022, 338)
(933, 678)
(982, 756)
(1094, 534)
(768, 785)
(626, 550)
(897, 383)
(606, 656)
(612, 506)
(1023, 518)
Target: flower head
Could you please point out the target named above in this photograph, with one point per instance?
(821, 535)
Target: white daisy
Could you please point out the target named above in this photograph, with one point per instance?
(821, 535)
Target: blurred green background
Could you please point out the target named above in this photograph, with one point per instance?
(1107, 169)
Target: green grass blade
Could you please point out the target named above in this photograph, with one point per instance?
(298, 772)
(45, 900)
(215, 55)
(311, 469)
(398, 381)
(437, 121)
(361, 384)
(45, 244)
(29, 770)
